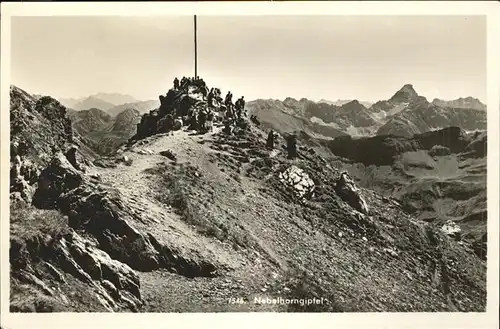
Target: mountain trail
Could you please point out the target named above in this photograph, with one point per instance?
(183, 222)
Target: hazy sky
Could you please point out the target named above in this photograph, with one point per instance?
(331, 57)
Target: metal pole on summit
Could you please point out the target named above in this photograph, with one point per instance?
(195, 51)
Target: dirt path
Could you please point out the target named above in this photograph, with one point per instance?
(164, 291)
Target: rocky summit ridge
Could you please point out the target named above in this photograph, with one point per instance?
(176, 221)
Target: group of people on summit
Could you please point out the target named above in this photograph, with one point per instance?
(202, 118)
(217, 109)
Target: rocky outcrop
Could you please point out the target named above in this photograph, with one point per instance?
(115, 282)
(23, 175)
(39, 128)
(50, 264)
(439, 150)
(175, 103)
(350, 193)
(297, 179)
(105, 215)
(451, 228)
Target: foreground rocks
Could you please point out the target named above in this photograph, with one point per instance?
(349, 192)
(102, 248)
(104, 214)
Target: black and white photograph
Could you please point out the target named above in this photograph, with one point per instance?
(225, 163)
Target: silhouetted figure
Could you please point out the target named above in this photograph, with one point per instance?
(227, 127)
(270, 140)
(202, 119)
(291, 146)
(176, 83)
(254, 119)
(229, 100)
(71, 156)
(169, 122)
(242, 105)
(210, 98)
(210, 120)
(192, 122)
(229, 114)
(184, 83)
(238, 108)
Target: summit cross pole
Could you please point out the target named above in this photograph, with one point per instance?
(195, 50)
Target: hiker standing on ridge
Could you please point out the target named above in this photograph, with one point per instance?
(227, 126)
(184, 82)
(169, 124)
(229, 100)
(291, 146)
(237, 107)
(218, 95)
(210, 98)
(242, 105)
(270, 140)
(176, 83)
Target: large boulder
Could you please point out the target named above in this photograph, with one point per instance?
(59, 177)
(23, 176)
(350, 193)
(451, 228)
(439, 150)
(297, 179)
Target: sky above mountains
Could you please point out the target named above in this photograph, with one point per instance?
(316, 57)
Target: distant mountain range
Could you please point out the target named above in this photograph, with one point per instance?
(341, 102)
(404, 114)
(112, 103)
(102, 132)
(462, 103)
(140, 106)
(106, 120)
